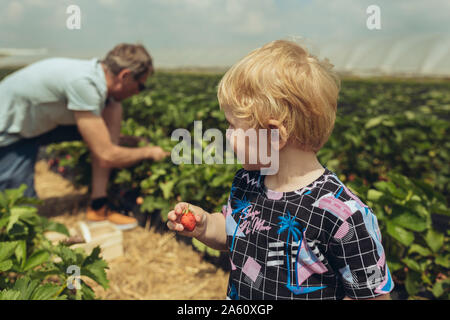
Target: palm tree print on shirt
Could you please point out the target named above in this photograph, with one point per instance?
(288, 223)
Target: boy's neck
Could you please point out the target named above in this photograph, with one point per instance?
(297, 169)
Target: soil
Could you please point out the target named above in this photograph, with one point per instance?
(154, 266)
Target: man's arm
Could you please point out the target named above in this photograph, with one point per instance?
(95, 133)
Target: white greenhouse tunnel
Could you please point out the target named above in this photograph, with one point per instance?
(427, 56)
(407, 56)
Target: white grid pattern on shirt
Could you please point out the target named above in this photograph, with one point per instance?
(329, 183)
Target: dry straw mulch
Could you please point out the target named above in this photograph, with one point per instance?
(154, 266)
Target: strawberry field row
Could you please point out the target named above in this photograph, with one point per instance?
(389, 146)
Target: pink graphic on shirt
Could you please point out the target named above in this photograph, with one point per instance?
(336, 207)
(226, 210)
(253, 223)
(382, 260)
(274, 195)
(308, 264)
(233, 267)
(342, 231)
(251, 268)
(341, 210)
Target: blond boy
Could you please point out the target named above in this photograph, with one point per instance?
(298, 233)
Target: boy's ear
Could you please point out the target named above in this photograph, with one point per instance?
(275, 124)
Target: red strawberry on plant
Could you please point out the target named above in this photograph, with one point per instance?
(188, 220)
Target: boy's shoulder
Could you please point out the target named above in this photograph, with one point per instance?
(327, 186)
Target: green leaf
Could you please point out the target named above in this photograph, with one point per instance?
(3, 221)
(56, 227)
(94, 267)
(388, 187)
(25, 213)
(411, 264)
(5, 265)
(7, 249)
(167, 188)
(86, 292)
(67, 255)
(440, 287)
(398, 233)
(12, 195)
(374, 195)
(151, 203)
(25, 286)
(443, 261)
(46, 292)
(410, 221)
(434, 240)
(18, 229)
(13, 219)
(36, 259)
(123, 176)
(9, 294)
(374, 122)
(415, 248)
(421, 210)
(21, 252)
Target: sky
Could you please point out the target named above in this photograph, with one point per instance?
(208, 32)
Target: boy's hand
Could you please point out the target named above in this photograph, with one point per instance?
(174, 219)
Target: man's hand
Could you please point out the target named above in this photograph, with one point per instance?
(157, 153)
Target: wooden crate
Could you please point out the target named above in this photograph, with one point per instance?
(103, 234)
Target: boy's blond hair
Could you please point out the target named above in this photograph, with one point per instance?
(282, 81)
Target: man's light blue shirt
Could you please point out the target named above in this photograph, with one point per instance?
(43, 96)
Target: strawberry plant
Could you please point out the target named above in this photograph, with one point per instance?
(418, 248)
(31, 267)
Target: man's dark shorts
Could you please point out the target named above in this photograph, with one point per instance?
(17, 160)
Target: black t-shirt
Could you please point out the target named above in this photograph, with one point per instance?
(318, 242)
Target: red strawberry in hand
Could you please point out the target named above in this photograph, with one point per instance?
(188, 220)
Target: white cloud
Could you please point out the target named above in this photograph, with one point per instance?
(195, 29)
